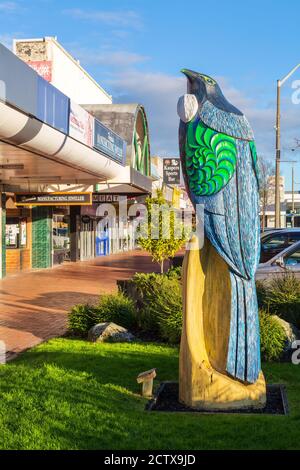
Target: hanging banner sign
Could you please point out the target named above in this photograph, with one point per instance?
(110, 143)
(81, 124)
(54, 199)
(171, 170)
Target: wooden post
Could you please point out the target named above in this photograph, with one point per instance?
(146, 378)
(203, 379)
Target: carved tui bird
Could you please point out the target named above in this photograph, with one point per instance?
(219, 163)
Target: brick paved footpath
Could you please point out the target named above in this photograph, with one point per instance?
(34, 305)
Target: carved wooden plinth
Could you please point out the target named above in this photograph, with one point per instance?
(203, 380)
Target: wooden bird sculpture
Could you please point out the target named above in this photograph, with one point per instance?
(220, 363)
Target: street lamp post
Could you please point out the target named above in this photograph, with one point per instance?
(277, 162)
(293, 186)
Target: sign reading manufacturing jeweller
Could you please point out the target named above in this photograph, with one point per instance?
(54, 199)
(109, 143)
(171, 170)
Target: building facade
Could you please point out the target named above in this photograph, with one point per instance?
(61, 161)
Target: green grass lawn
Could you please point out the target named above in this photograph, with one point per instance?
(70, 394)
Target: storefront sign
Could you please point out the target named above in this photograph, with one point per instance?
(23, 232)
(107, 197)
(171, 170)
(109, 143)
(54, 199)
(42, 67)
(81, 124)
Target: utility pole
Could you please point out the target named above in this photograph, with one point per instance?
(293, 196)
(277, 164)
(277, 161)
(293, 187)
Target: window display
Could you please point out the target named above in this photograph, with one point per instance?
(12, 233)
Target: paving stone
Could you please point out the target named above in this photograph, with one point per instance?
(34, 305)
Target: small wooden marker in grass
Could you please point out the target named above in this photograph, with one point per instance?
(146, 378)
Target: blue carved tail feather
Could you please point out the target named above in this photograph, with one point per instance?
(243, 360)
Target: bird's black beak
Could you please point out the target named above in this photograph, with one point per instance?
(190, 74)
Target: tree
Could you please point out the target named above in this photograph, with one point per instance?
(266, 186)
(162, 234)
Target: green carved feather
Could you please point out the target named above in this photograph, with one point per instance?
(254, 159)
(210, 159)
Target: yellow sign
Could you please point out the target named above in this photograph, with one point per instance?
(176, 198)
(54, 199)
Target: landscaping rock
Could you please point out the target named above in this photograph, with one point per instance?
(292, 334)
(109, 332)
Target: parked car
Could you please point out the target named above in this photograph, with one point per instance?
(274, 242)
(287, 261)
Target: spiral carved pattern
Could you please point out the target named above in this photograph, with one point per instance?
(210, 159)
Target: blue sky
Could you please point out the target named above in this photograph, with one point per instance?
(136, 48)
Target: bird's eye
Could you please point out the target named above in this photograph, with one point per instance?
(208, 80)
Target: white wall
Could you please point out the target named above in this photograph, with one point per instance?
(70, 78)
(67, 74)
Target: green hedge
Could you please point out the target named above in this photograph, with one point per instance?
(116, 308)
(152, 307)
(281, 297)
(159, 300)
(81, 318)
(272, 337)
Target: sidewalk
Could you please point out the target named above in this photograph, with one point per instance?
(34, 305)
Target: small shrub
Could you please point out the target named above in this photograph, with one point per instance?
(81, 318)
(261, 290)
(174, 273)
(159, 299)
(170, 325)
(272, 337)
(283, 298)
(117, 308)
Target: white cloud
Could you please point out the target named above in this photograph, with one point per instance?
(124, 19)
(159, 94)
(8, 6)
(108, 57)
(7, 38)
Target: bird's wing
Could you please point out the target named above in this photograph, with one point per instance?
(223, 168)
(229, 123)
(254, 160)
(210, 158)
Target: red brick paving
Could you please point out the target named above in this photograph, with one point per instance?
(34, 305)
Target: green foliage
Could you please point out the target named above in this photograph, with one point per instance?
(174, 273)
(282, 297)
(81, 318)
(116, 308)
(261, 291)
(272, 337)
(68, 394)
(159, 299)
(163, 234)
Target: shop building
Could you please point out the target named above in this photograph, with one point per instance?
(52, 62)
(58, 158)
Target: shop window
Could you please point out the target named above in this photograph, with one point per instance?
(15, 233)
(61, 232)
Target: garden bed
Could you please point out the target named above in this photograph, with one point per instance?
(167, 399)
